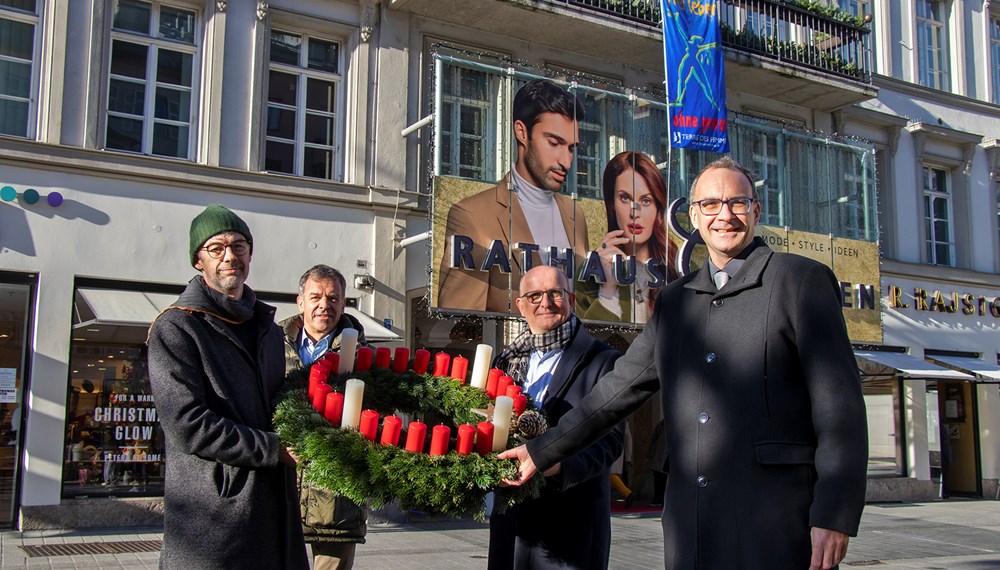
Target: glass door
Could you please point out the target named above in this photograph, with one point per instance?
(14, 319)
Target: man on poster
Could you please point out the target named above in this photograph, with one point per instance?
(216, 363)
(569, 525)
(525, 207)
(764, 422)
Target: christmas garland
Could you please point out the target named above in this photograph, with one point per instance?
(343, 461)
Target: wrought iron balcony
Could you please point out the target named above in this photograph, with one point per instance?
(782, 31)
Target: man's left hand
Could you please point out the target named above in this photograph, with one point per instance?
(828, 548)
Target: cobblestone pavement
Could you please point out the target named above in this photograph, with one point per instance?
(953, 534)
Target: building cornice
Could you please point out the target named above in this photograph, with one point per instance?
(890, 268)
(80, 161)
(935, 95)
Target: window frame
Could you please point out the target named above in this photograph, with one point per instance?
(303, 73)
(931, 241)
(152, 83)
(938, 77)
(993, 21)
(35, 19)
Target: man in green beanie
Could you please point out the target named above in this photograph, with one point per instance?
(216, 361)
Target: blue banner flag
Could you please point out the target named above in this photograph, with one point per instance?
(696, 83)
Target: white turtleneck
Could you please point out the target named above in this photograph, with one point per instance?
(541, 211)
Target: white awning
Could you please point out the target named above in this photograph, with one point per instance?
(104, 309)
(878, 363)
(979, 368)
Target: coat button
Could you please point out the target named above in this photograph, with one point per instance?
(718, 302)
(702, 481)
(710, 357)
(703, 417)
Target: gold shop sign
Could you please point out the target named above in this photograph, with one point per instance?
(941, 302)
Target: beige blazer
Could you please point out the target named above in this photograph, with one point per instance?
(495, 213)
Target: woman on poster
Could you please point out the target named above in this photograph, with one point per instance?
(635, 196)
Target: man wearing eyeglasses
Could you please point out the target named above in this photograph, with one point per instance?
(764, 421)
(557, 362)
(216, 362)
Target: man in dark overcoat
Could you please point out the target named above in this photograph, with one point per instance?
(764, 422)
(559, 363)
(216, 361)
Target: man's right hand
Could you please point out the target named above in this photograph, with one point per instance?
(526, 466)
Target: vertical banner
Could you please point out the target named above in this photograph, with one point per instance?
(696, 84)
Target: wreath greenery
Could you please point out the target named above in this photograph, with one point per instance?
(346, 463)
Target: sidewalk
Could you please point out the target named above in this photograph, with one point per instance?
(953, 534)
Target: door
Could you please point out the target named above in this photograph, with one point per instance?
(14, 319)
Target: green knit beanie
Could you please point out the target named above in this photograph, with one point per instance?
(215, 220)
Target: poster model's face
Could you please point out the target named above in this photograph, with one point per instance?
(636, 221)
(548, 150)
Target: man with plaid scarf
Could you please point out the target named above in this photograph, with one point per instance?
(558, 362)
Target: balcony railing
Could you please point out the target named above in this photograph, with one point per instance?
(772, 29)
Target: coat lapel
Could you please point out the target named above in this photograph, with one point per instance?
(748, 276)
(571, 359)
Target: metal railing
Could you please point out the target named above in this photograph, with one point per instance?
(768, 28)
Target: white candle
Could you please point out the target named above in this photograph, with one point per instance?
(354, 393)
(502, 411)
(348, 346)
(481, 366)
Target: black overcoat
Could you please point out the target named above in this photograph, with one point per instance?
(228, 502)
(569, 525)
(764, 421)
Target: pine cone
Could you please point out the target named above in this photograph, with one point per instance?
(531, 424)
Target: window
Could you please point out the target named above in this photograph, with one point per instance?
(18, 22)
(937, 217)
(468, 129)
(304, 107)
(153, 75)
(932, 55)
(885, 441)
(995, 56)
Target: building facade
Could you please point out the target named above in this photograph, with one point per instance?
(124, 118)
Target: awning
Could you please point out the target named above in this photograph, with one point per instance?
(878, 363)
(985, 371)
(113, 315)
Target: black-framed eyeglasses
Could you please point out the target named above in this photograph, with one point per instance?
(218, 250)
(713, 206)
(555, 295)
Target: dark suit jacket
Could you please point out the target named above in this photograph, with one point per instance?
(569, 525)
(764, 422)
(495, 213)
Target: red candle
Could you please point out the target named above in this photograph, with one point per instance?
(415, 435)
(491, 382)
(319, 396)
(363, 359)
(513, 390)
(441, 361)
(330, 362)
(520, 403)
(400, 359)
(369, 424)
(334, 411)
(391, 427)
(484, 438)
(382, 356)
(312, 387)
(466, 436)
(459, 368)
(316, 376)
(502, 384)
(439, 439)
(421, 361)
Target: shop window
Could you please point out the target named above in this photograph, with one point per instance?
(153, 79)
(304, 106)
(937, 217)
(885, 437)
(932, 44)
(114, 442)
(15, 312)
(18, 22)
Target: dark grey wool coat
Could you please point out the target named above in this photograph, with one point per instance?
(228, 502)
(569, 525)
(764, 421)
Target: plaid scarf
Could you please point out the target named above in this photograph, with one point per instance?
(514, 358)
